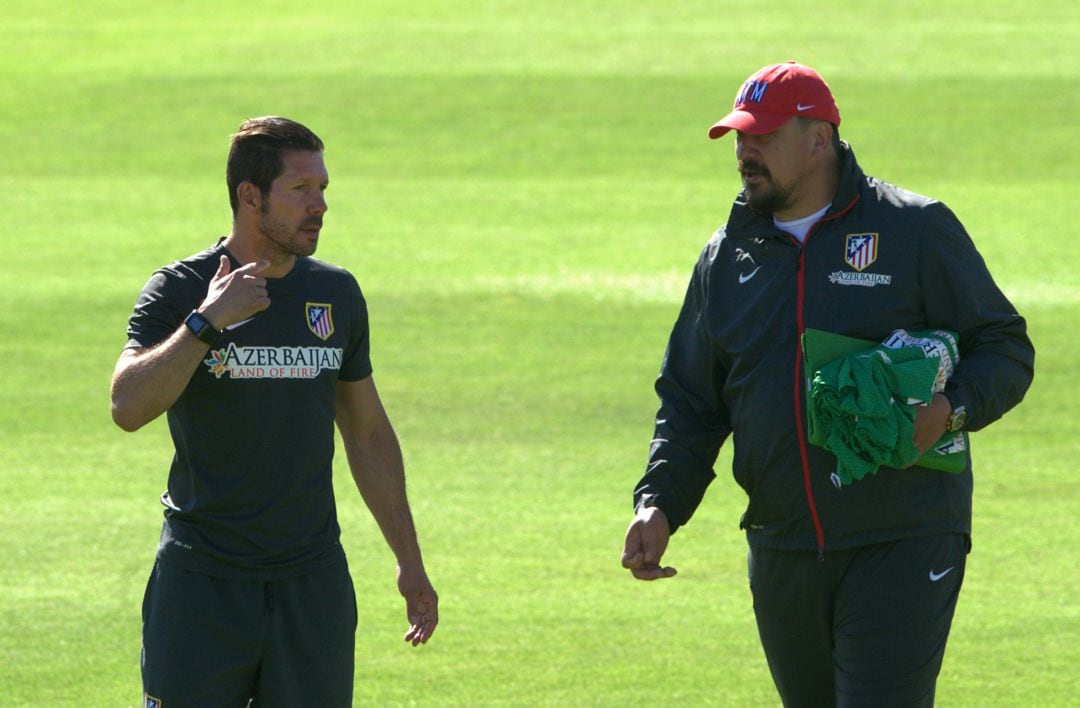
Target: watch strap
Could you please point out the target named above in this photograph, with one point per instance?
(201, 328)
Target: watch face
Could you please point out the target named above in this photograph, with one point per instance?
(959, 417)
(201, 328)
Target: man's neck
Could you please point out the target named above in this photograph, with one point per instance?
(820, 191)
(248, 248)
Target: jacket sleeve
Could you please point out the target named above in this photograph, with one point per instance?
(997, 358)
(692, 421)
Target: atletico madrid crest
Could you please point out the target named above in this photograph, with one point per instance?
(860, 250)
(319, 320)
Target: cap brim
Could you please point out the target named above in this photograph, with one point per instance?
(746, 122)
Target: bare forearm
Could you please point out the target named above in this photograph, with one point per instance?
(146, 383)
(376, 465)
(379, 473)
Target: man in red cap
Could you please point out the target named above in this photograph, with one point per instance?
(855, 585)
(782, 173)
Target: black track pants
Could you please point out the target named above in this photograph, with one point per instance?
(211, 641)
(863, 627)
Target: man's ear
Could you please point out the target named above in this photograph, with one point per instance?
(823, 136)
(249, 196)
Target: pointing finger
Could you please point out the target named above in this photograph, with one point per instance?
(223, 267)
(253, 267)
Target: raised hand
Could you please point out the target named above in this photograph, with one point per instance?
(235, 295)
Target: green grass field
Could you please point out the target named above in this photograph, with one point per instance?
(521, 189)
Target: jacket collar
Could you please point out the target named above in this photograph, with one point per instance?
(744, 222)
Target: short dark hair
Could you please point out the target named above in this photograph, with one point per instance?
(257, 148)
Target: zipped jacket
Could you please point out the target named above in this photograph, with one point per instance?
(882, 258)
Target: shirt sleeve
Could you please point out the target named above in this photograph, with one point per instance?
(356, 363)
(160, 308)
(692, 422)
(997, 359)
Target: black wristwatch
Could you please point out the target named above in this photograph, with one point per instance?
(201, 328)
(958, 418)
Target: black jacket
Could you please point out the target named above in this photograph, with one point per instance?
(881, 258)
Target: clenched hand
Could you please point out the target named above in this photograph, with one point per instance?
(646, 541)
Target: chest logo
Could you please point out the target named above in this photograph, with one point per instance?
(273, 362)
(860, 250)
(744, 258)
(319, 319)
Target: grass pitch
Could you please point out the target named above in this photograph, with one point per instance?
(522, 189)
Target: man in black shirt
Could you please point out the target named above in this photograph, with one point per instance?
(254, 350)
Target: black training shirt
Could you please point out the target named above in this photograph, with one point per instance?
(250, 491)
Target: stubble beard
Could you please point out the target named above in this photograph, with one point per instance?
(288, 240)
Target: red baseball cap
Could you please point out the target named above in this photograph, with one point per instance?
(774, 95)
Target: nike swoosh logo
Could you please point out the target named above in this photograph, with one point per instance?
(801, 107)
(934, 577)
(234, 325)
(743, 277)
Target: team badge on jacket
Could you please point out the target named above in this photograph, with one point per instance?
(860, 250)
(319, 320)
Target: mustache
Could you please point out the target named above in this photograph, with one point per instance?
(313, 221)
(748, 167)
